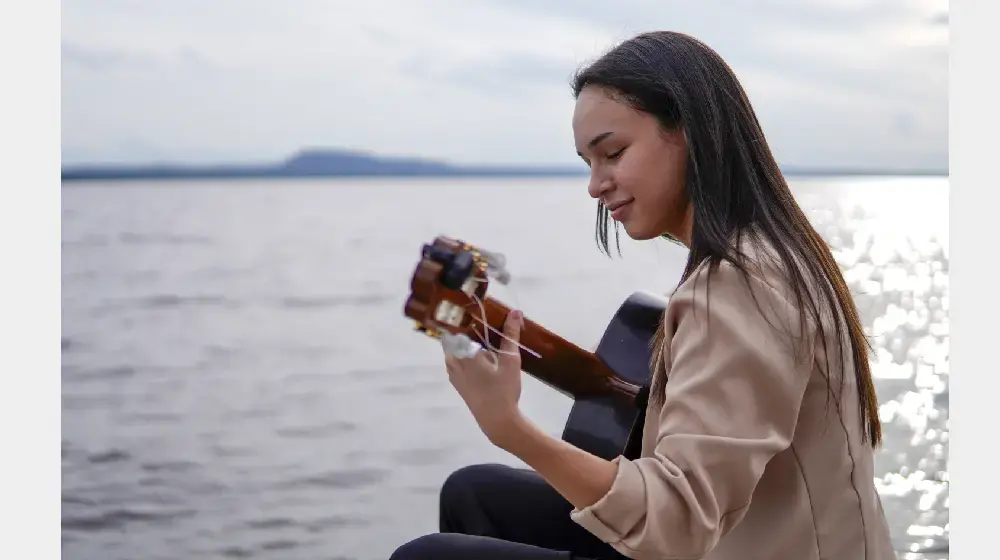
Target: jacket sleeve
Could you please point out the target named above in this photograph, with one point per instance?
(735, 385)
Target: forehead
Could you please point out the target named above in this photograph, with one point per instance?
(597, 112)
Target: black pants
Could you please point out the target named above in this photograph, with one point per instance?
(492, 512)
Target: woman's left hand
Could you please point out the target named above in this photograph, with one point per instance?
(492, 391)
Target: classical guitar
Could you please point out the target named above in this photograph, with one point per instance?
(448, 300)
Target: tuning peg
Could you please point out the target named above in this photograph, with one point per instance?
(421, 328)
(496, 266)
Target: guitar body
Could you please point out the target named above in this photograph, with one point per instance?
(602, 425)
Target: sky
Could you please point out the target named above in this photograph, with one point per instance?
(835, 83)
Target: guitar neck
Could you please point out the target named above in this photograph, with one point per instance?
(562, 365)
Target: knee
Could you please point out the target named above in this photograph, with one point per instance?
(460, 485)
(425, 547)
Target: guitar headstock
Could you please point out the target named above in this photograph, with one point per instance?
(448, 286)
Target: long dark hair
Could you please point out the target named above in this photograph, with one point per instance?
(734, 184)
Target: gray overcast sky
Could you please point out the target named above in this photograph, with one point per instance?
(835, 83)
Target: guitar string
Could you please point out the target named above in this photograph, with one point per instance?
(485, 339)
(505, 337)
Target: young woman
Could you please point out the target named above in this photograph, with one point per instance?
(762, 420)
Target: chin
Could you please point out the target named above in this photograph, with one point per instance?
(639, 233)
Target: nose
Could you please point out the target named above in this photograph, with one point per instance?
(599, 184)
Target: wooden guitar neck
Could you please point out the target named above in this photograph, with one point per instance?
(562, 365)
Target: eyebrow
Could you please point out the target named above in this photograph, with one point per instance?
(596, 140)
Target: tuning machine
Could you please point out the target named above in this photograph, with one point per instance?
(422, 328)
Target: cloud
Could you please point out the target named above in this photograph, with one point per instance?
(830, 80)
(480, 81)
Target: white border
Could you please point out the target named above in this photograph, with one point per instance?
(30, 403)
(973, 391)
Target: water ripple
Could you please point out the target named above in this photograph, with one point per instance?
(117, 519)
(320, 303)
(343, 478)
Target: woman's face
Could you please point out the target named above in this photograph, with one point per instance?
(637, 169)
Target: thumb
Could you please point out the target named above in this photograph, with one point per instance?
(512, 332)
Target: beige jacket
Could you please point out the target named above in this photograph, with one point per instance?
(745, 458)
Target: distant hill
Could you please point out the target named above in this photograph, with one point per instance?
(342, 163)
(312, 163)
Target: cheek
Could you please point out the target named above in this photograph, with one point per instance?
(669, 171)
(646, 177)
(658, 184)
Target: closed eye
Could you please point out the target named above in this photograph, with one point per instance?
(616, 155)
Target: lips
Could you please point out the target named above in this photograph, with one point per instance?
(618, 208)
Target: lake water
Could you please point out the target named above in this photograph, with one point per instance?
(239, 380)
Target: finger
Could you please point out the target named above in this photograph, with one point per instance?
(451, 363)
(509, 352)
(460, 365)
(511, 330)
(484, 361)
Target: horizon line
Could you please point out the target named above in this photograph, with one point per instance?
(332, 162)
